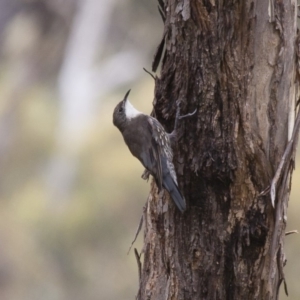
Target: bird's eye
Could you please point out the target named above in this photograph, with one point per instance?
(121, 109)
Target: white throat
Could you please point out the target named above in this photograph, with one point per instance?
(130, 111)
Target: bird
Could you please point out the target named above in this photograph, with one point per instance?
(148, 141)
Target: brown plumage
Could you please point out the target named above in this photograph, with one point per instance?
(150, 144)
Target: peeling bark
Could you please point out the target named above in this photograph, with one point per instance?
(235, 62)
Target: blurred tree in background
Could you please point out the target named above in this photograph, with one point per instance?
(70, 193)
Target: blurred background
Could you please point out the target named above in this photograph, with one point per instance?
(71, 196)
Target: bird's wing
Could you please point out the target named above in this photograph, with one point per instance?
(158, 141)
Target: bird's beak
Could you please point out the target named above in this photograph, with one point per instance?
(126, 96)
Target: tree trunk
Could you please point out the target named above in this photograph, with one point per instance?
(235, 62)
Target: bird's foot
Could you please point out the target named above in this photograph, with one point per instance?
(146, 175)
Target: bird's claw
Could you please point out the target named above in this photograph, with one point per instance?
(146, 175)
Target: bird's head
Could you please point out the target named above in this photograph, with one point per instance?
(124, 112)
(119, 115)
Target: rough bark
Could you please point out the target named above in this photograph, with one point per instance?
(235, 62)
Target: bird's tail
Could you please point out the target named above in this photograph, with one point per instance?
(174, 192)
